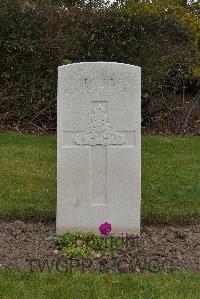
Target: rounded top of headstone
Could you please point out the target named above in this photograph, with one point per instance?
(99, 64)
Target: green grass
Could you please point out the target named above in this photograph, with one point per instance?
(27, 175)
(170, 177)
(74, 285)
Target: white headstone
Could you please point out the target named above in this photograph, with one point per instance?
(99, 147)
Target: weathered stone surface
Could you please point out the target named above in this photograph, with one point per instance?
(99, 136)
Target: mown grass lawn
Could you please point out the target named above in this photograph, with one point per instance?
(27, 175)
(75, 285)
(82, 286)
(170, 177)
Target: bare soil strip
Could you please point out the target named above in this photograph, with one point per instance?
(33, 246)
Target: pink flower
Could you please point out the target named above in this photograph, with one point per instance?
(105, 228)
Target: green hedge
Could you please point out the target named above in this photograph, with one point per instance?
(36, 38)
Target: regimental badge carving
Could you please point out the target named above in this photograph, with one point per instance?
(99, 130)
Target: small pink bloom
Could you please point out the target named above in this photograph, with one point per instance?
(105, 228)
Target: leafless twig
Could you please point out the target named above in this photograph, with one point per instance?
(196, 100)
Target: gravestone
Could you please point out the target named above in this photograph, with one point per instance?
(98, 147)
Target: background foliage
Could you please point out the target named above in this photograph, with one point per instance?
(162, 37)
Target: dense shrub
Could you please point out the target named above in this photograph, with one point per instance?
(36, 38)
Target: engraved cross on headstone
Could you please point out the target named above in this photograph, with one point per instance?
(99, 136)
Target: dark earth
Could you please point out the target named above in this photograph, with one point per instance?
(33, 246)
